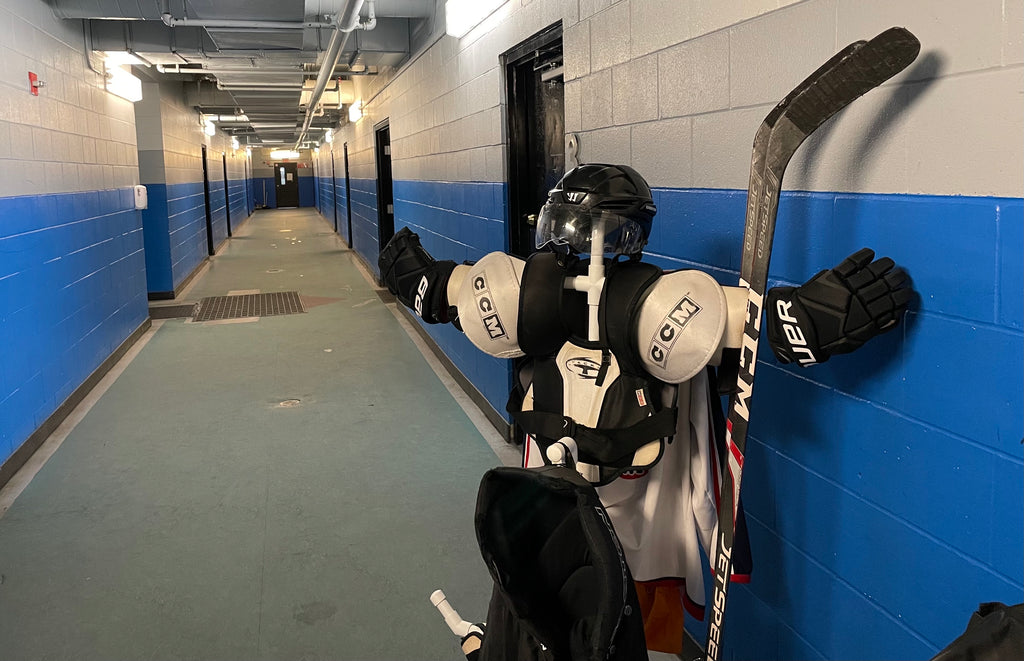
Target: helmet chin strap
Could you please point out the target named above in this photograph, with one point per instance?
(593, 282)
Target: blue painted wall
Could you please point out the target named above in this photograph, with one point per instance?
(341, 203)
(73, 287)
(326, 200)
(307, 191)
(883, 490)
(264, 193)
(175, 228)
(238, 202)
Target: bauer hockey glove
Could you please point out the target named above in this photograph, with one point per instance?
(416, 279)
(837, 310)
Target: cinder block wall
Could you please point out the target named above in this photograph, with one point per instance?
(883, 489)
(72, 272)
(171, 139)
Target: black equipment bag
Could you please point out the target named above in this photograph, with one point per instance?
(562, 589)
(994, 633)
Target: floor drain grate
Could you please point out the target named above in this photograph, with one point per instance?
(172, 311)
(249, 305)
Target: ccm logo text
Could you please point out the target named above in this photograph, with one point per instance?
(485, 307)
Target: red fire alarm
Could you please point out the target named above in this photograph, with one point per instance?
(34, 83)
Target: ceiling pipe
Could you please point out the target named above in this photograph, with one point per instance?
(347, 21)
(229, 24)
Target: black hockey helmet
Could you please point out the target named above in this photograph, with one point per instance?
(614, 194)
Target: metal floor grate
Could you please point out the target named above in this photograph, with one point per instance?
(172, 311)
(249, 305)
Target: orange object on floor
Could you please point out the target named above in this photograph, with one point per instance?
(661, 603)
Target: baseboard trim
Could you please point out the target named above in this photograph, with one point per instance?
(14, 463)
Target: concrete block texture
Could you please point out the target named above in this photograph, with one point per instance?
(771, 54)
(661, 152)
(635, 91)
(962, 36)
(576, 50)
(693, 77)
(596, 102)
(610, 37)
(609, 145)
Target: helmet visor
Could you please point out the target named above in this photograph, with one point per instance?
(570, 225)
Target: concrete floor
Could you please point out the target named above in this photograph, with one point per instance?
(190, 515)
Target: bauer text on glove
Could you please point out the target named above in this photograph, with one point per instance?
(837, 310)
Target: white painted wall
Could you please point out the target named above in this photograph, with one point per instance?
(74, 136)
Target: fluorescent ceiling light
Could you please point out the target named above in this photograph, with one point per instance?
(117, 58)
(355, 111)
(278, 154)
(209, 128)
(121, 82)
(461, 16)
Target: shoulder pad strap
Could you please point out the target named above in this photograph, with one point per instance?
(541, 329)
(626, 287)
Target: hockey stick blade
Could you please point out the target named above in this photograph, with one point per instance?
(849, 74)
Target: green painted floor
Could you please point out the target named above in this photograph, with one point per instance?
(190, 515)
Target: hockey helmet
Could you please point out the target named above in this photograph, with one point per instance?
(615, 195)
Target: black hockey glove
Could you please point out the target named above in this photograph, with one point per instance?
(418, 280)
(837, 310)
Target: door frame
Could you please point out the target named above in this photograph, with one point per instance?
(517, 124)
(378, 131)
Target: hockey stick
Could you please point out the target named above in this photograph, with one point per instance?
(853, 71)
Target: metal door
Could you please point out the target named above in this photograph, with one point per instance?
(385, 198)
(286, 184)
(536, 130)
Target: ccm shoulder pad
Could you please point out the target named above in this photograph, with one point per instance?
(488, 303)
(681, 324)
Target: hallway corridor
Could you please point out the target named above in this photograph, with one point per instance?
(251, 490)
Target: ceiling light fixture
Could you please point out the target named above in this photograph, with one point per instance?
(279, 154)
(355, 111)
(120, 81)
(118, 57)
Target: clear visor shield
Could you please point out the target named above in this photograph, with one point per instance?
(569, 225)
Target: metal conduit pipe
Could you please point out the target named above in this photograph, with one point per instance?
(215, 23)
(347, 21)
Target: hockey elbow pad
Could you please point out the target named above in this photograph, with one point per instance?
(837, 310)
(416, 279)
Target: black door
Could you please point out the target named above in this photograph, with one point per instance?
(385, 199)
(536, 129)
(206, 202)
(348, 199)
(286, 184)
(334, 192)
(227, 197)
